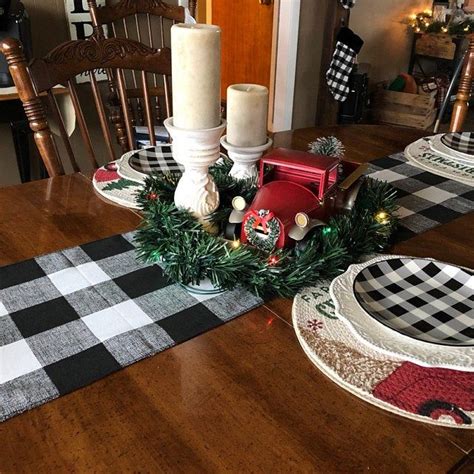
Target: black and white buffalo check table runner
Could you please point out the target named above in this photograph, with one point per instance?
(70, 318)
(425, 199)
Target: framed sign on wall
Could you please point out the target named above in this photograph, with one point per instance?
(80, 27)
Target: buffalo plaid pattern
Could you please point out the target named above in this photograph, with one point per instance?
(462, 142)
(424, 299)
(337, 76)
(70, 318)
(425, 199)
(158, 159)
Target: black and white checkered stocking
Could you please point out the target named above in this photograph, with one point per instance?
(348, 3)
(348, 46)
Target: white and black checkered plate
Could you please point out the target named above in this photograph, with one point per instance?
(462, 142)
(157, 159)
(424, 299)
(387, 306)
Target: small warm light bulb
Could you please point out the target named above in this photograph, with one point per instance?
(273, 260)
(444, 29)
(417, 29)
(382, 217)
(466, 29)
(236, 243)
(413, 16)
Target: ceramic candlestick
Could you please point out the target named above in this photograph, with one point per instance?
(245, 158)
(196, 150)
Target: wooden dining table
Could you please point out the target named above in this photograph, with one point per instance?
(240, 398)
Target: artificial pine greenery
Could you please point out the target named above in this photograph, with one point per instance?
(329, 146)
(189, 254)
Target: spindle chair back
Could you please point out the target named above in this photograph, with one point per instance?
(60, 67)
(149, 22)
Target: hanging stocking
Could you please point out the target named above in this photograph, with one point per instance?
(348, 3)
(348, 46)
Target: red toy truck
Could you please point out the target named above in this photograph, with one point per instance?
(298, 192)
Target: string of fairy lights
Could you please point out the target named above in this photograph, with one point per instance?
(423, 22)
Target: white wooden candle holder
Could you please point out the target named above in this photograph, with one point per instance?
(196, 150)
(245, 158)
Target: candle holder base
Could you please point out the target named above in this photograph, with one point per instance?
(196, 150)
(245, 158)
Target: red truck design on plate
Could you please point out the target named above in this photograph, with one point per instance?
(432, 392)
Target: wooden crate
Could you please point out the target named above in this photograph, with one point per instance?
(409, 110)
(436, 46)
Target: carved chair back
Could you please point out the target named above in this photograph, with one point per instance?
(60, 67)
(461, 106)
(149, 22)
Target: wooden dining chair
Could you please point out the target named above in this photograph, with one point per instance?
(61, 66)
(461, 106)
(149, 22)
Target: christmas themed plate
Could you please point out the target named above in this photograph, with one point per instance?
(155, 159)
(438, 147)
(420, 154)
(420, 309)
(138, 164)
(461, 142)
(113, 187)
(427, 300)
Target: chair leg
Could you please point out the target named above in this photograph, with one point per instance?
(461, 106)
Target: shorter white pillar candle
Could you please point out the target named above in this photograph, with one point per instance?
(247, 111)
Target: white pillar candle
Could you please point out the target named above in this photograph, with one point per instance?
(196, 75)
(247, 111)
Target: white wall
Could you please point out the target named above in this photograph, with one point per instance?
(387, 39)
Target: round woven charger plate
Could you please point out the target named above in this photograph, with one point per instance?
(110, 185)
(421, 155)
(440, 397)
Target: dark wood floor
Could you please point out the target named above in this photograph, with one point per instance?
(241, 398)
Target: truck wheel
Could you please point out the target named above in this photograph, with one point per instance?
(232, 231)
(302, 244)
(437, 407)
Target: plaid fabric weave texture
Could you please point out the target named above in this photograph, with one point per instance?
(425, 199)
(70, 318)
(424, 299)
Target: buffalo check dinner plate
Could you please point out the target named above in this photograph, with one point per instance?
(462, 142)
(439, 148)
(421, 309)
(155, 159)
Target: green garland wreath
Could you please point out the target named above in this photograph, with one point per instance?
(188, 254)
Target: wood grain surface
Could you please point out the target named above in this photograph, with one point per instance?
(240, 398)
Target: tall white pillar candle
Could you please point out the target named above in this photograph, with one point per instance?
(247, 110)
(196, 74)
